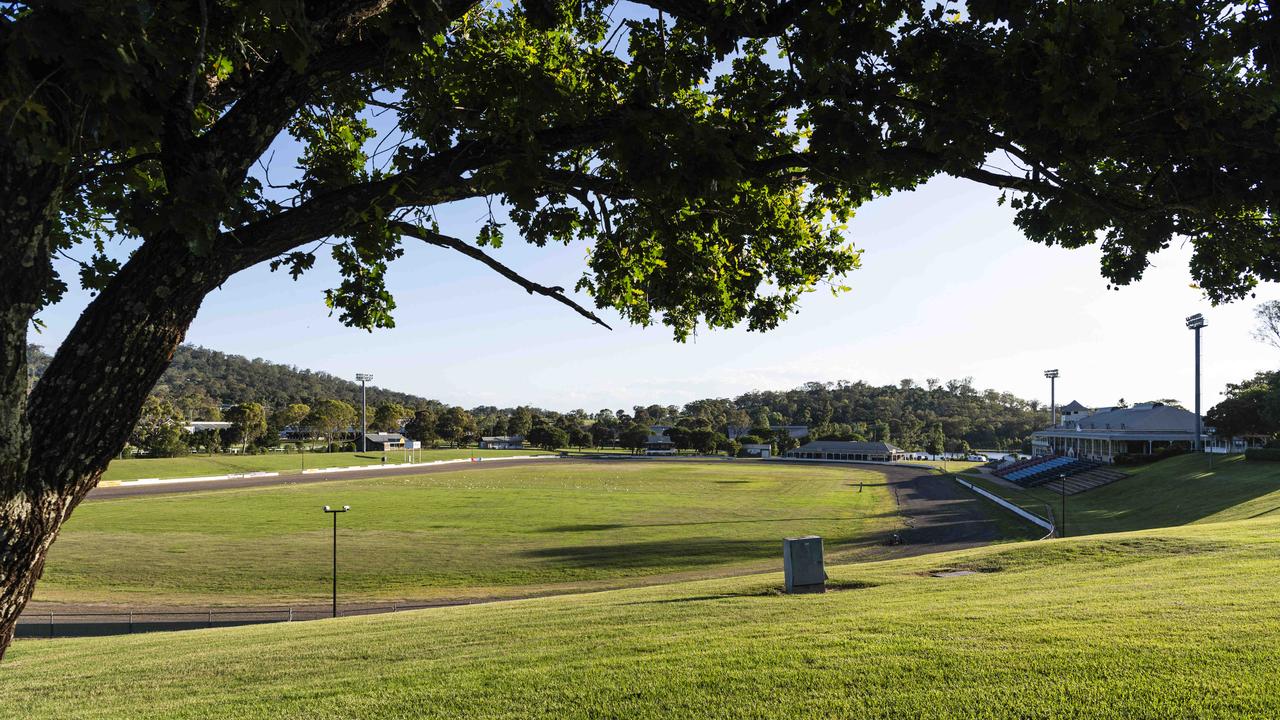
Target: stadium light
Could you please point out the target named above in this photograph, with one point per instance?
(1053, 399)
(1195, 323)
(334, 512)
(364, 421)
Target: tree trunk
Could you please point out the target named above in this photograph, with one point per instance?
(83, 408)
(28, 208)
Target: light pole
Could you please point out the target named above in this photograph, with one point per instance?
(1053, 397)
(364, 422)
(1196, 322)
(334, 512)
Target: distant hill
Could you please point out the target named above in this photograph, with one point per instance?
(231, 379)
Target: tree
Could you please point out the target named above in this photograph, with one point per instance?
(291, 415)
(521, 422)
(935, 442)
(1268, 330)
(635, 437)
(456, 426)
(159, 429)
(1249, 408)
(548, 437)
(422, 427)
(387, 416)
(709, 178)
(580, 437)
(333, 417)
(249, 421)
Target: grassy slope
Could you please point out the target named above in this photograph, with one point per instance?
(472, 533)
(1176, 491)
(200, 465)
(1171, 623)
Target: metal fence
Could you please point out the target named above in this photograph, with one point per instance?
(56, 623)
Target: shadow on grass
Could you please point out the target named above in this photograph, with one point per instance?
(832, 586)
(591, 527)
(689, 552)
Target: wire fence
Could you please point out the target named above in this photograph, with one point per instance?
(59, 623)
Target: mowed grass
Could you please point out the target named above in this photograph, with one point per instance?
(1173, 623)
(201, 465)
(473, 533)
(1177, 491)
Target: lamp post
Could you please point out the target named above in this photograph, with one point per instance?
(334, 512)
(1196, 323)
(364, 422)
(1053, 397)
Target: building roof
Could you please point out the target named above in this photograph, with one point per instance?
(849, 446)
(502, 438)
(1145, 420)
(384, 437)
(1074, 406)
(656, 439)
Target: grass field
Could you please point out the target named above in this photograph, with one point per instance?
(498, 532)
(1177, 491)
(201, 465)
(1170, 623)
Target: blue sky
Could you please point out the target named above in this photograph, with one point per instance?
(948, 288)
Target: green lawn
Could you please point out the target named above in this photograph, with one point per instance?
(201, 465)
(1177, 491)
(496, 532)
(1173, 623)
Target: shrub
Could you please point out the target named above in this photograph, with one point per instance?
(1262, 454)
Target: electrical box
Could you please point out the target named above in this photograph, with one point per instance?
(803, 566)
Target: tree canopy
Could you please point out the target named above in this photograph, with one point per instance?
(707, 154)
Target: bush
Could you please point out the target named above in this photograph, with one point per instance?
(1262, 454)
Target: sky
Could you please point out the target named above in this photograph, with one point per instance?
(949, 288)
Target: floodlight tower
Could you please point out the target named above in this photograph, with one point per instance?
(1196, 322)
(364, 421)
(1053, 399)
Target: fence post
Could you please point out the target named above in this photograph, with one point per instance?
(130, 622)
(210, 617)
(393, 607)
(290, 614)
(50, 623)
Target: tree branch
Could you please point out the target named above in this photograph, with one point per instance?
(444, 241)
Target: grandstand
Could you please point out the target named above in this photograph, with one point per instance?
(1078, 475)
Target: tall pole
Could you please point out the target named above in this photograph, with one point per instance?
(334, 512)
(1199, 446)
(1053, 396)
(1196, 323)
(335, 564)
(364, 422)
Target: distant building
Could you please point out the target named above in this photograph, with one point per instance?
(847, 450)
(1143, 429)
(383, 441)
(1072, 412)
(502, 442)
(659, 444)
(760, 450)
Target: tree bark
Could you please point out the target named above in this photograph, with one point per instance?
(83, 408)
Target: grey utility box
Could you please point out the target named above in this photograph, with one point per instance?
(802, 564)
